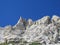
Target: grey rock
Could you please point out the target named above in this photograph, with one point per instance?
(44, 31)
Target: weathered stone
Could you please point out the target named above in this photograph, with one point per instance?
(44, 31)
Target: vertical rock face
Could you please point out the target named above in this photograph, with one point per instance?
(20, 24)
(30, 22)
(44, 31)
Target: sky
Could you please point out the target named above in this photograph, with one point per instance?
(11, 10)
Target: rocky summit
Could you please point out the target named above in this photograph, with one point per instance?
(44, 31)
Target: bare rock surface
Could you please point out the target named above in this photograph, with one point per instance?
(45, 31)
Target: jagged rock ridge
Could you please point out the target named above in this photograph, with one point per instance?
(45, 31)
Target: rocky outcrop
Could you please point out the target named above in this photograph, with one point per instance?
(45, 31)
(20, 24)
